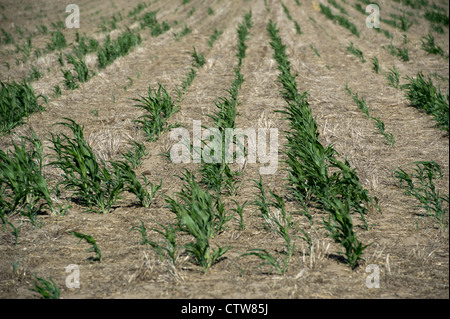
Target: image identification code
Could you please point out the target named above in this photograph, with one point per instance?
(232, 308)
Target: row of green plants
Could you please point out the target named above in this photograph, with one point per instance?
(356, 52)
(218, 176)
(362, 105)
(310, 163)
(17, 101)
(402, 52)
(90, 181)
(276, 219)
(106, 54)
(93, 182)
(399, 21)
(57, 40)
(88, 45)
(288, 15)
(341, 20)
(159, 104)
(338, 6)
(435, 14)
(111, 50)
(419, 183)
(418, 180)
(393, 77)
(200, 213)
(79, 72)
(148, 20)
(429, 45)
(159, 107)
(422, 94)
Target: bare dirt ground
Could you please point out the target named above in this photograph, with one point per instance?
(411, 251)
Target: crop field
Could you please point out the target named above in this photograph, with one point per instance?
(184, 149)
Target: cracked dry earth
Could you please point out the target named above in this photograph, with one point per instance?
(410, 251)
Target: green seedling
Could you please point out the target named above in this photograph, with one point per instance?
(47, 289)
(357, 52)
(141, 6)
(57, 90)
(185, 31)
(198, 214)
(7, 37)
(393, 78)
(58, 25)
(315, 50)
(69, 80)
(80, 68)
(360, 102)
(35, 74)
(240, 211)
(94, 248)
(430, 46)
(60, 59)
(85, 45)
(308, 161)
(42, 29)
(149, 20)
(213, 38)
(341, 20)
(191, 12)
(362, 105)
(340, 227)
(199, 59)
(111, 50)
(381, 127)
(422, 94)
(5, 222)
(168, 247)
(22, 185)
(401, 53)
(437, 17)
(94, 185)
(278, 221)
(134, 157)
(58, 41)
(133, 185)
(160, 108)
(338, 6)
(376, 65)
(17, 101)
(420, 184)
(288, 15)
